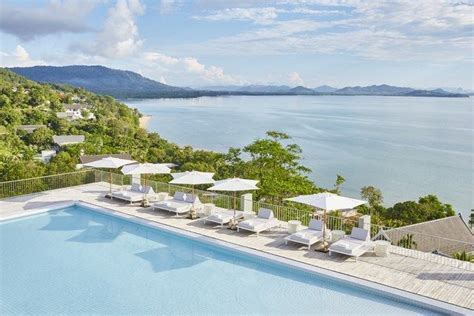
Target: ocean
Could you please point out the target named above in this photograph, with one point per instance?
(406, 146)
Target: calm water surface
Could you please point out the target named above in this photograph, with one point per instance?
(77, 262)
(405, 146)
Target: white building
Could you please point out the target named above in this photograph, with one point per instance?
(64, 140)
(46, 155)
(75, 112)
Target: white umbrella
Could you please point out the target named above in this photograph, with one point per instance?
(167, 164)
(146, 168)
(234, 185)
(109, 163)
(192, 178)
(328, 202)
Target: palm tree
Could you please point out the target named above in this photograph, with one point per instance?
(463, 256)
(471, 219)
(407, 241)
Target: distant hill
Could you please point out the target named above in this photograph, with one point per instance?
(128, 84)
(264, 89)
(324, 89)
(103, 80)
(302, 90)
(386, 90)
(374, 90)
(219, 88)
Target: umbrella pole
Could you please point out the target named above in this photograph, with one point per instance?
(324, 231)
(144, 184)
(110, 179)
(193, 211)
(235, 203)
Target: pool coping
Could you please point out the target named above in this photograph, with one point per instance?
(382, 289)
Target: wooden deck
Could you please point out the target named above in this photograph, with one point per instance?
(429, 279)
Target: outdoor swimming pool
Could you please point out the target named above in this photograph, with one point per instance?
(78, 261)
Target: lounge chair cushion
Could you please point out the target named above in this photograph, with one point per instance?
(136, 187)
(359, 233)
(217, 215)
(128, 195)
(190, 198)
(316, 224)
(180, 196)
(173, 206)
(306, 236)
(148, 190)
(265, 213)
(223, 217)
(351, 246)
(256, 224)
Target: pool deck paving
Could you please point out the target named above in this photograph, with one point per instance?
(429, 279)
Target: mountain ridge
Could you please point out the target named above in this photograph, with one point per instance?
(128, 84)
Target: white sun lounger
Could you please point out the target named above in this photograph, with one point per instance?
(265, 220)
(134, 194)
(310, 235)
(181, 203)
(223, 216)
(354, 245)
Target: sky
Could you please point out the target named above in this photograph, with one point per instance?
(420, 44)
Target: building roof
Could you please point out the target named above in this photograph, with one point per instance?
(76, 106)
(91, 158)
(30, 128)
(451, 234)
(63, 114)
(63, 140)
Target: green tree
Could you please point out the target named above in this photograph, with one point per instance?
(41, 137)
(61, 163)
(10, 116)
(35, 116)
(372, 195)
(276, 166)
(12, 169)
(4, 100)
(427, 208)
(339, 182)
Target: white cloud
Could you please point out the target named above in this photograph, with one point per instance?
(29, 22)
(18, 58)
(256, 15)
(380, 30)
(119, 36)
(160, 58)
(295, 79)
(169, 6)
(185, 70)
(260, 15)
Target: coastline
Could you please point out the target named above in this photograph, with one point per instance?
(144, 121)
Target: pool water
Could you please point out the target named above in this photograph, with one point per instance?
(78, 261)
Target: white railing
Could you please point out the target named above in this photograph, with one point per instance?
(404, 242)
(46, 183)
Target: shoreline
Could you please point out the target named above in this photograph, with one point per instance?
(144, 121)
